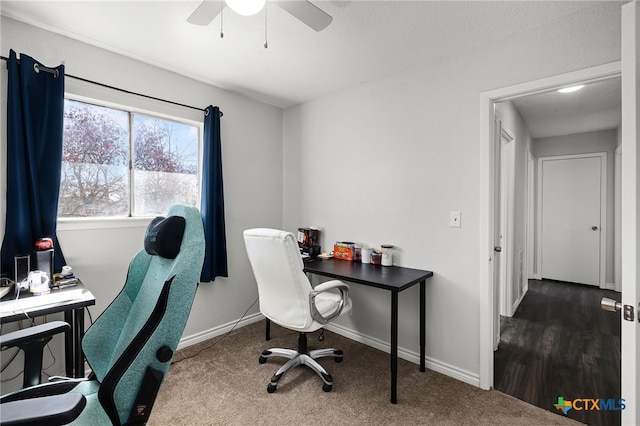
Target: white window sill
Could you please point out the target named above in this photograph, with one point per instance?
(102, 223)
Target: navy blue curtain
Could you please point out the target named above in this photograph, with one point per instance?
(212, 205)
(35, 114)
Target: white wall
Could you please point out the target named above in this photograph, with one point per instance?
(252, 166)
(583, 143)
(386, 161)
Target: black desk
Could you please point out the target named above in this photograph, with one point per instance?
(71, 301)
(392, 278)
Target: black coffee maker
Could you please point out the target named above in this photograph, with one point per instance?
(309, 241)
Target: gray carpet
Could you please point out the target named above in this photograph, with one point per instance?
(225, 385)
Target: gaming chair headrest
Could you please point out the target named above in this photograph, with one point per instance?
(164, 236)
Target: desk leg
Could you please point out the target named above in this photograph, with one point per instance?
(68, 344)
(77, 335)
(394, 347)
(422, 324)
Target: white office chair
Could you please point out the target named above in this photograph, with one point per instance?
(287, 298)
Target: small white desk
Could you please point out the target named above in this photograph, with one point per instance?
(71, 301)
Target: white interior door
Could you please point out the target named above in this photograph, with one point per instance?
(496, 228)
(630, 209)
(571, 218)
(505, 237)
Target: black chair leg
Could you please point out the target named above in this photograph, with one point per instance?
(33, 361)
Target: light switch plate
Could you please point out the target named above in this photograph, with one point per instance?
(454, 219)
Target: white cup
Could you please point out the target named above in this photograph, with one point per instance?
(366, 254)
(387, 255)
(66, 270)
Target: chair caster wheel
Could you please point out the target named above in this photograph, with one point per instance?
(327, 388)
(262, 360)
(271, 388)
(338, 358)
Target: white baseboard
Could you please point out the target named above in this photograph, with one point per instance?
(217, 331)
(430, 363)
(609, 286)
(514, 308)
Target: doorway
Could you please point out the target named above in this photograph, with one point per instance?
(489, 308)
(532, 344)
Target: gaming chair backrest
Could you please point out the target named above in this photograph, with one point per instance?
(142, 327)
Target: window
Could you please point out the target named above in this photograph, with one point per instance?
(119, 163)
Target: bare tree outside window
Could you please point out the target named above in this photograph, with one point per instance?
(165, 164)
(96, 177)
(95, 155)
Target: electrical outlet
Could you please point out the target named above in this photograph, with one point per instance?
(454, 219)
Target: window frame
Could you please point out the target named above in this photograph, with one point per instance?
(107, 222)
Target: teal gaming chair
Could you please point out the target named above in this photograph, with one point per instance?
(130, 346)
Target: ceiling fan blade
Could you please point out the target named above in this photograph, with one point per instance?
(206, 12)
(307, 12)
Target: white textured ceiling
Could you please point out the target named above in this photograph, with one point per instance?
(366, 40)
(595, 107)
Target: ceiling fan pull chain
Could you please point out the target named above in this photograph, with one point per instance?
(221, 20)
(266, 44)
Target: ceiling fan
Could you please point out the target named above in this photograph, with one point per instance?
(303, 10)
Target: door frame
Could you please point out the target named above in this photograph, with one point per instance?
(531, 217)
(630, 238)
(617, 220)
(603, 210)
(487, 212)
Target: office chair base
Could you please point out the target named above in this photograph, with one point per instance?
(301, 357)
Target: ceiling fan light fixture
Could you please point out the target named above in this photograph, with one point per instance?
(246, 7)
(571, 89)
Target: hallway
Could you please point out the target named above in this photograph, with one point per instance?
(560, 343)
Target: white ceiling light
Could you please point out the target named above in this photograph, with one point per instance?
(571, 89)
(246, 7)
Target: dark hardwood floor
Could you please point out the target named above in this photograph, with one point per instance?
(560, 343)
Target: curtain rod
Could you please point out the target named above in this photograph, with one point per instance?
(55, 73)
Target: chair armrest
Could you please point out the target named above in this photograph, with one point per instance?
(47, 410)
(328, 285)
(322, 288)
(17, 338)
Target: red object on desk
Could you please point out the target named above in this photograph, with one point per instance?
(44, 244)
(342, 252)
